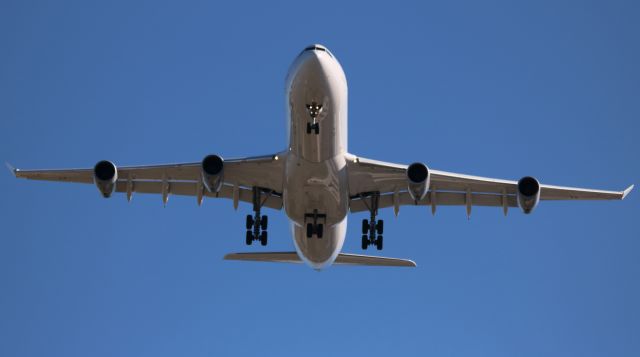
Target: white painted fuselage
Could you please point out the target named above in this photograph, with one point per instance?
(316, 177)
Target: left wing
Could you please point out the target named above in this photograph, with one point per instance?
(389, 181)
(240, 177)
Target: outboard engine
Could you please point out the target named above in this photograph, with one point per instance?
(105, 175)
(212, 170)
(418, 176)
(528, 193)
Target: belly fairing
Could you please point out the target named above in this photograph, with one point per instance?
(321, 186)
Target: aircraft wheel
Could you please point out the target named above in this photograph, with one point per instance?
(320, 230)
(263, 238)
(249, 238)
(365, 242)
(308, 128)
(309, 230)
(249, 221)
(380, 226)
(264, 222)
(365, 226)
(379, 243)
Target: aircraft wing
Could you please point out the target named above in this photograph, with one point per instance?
(239, 178)
(449, 189)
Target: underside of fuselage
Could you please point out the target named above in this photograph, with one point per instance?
(315, 192)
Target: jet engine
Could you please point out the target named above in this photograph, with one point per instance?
(212, 170)
(528, 193)
(418, 176)
(105, 175)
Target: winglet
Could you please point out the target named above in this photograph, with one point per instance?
(626, 192)
(12, 169)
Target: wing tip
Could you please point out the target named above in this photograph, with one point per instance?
(12, 169)
(626, 192)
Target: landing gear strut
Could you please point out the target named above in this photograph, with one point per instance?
(314, 110)
(257, 225)
(372, 229)
(313, 223)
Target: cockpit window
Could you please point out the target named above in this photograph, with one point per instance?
(317, 48)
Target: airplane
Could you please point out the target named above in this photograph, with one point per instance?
(316, 180)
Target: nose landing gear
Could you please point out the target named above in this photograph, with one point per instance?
(372, 229)
(314, 110)
(257, 225)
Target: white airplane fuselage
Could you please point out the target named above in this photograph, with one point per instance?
(316, 180)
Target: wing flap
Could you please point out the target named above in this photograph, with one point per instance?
(185, 188)
(443, 198)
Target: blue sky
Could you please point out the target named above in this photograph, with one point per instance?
(500, 89)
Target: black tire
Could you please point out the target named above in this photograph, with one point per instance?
(249, 238)
(308, 128)
(365, 242)
(317, 128)
(263, 238)
(309, 230)
(380, 226)
(379, 243)
(320, 230)
(264, 222)
(365, 226)
(249, 221)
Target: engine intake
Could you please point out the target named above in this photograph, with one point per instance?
(418, 176)
(528, 194)
(105, 175)
(212, 172)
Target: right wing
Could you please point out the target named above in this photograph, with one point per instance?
(240, 177)
(389, 180)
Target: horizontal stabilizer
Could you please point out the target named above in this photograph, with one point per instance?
(342, 259)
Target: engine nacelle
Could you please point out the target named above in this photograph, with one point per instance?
(528, 193)
(418, 176)
(105, 175)
(212, 172)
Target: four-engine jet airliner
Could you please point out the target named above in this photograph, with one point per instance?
(316, 180)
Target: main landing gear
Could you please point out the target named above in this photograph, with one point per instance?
(313, 223)
(257, 224)
(314, 110)
(372, 229)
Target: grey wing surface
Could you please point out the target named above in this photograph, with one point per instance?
(389, 180)
(239, 178)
